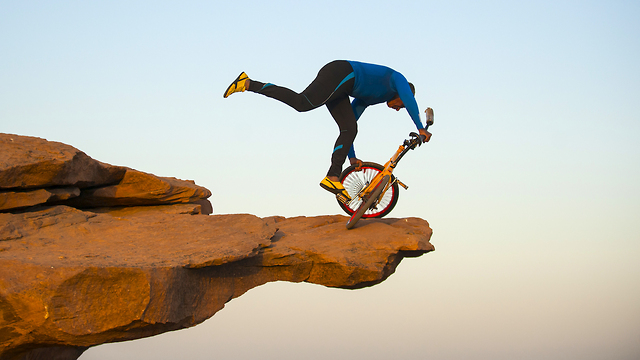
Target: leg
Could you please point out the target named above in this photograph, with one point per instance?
(332, 81)
(343, 114)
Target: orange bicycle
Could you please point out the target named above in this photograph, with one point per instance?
(373, 188)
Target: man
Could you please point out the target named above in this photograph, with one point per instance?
(368, 84)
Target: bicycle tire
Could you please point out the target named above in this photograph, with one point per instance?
(373, 196)
(354, 181)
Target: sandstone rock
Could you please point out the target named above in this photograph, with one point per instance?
(138, 260)
(15, 200)
(72, 279)
(188, 209)
(137, 188)
(68, 237)
(361, 257)
(35, 171)
(17, 226)
(29, 162)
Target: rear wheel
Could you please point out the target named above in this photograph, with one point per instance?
(354, 181)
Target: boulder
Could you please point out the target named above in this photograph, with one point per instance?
(29, 163)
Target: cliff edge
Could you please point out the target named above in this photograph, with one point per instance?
(93, 253)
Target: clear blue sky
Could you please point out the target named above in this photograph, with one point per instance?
(531, 180)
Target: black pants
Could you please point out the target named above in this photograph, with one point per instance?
(331, 87)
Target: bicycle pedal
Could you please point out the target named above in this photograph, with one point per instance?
(402, 184)
(343, 199)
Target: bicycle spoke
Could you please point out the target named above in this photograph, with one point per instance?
(355, 181)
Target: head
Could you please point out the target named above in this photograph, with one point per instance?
(396, 103)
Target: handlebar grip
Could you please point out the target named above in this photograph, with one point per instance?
(429, 113)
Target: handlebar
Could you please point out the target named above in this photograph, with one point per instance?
(418, 139)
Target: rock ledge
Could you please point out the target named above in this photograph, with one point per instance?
(115, 254)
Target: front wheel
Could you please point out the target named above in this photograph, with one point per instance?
(354, 181)
(367, 202)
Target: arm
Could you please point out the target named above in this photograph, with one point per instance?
(358, 107)
(352, 153)
(409, 101)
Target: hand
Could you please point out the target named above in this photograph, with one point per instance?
(357, 163)
(426, 134)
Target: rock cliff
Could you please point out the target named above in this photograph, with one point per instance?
(93, 253)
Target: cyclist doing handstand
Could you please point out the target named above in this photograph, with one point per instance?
(368, 84)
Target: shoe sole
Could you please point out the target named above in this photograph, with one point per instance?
(337, 192)
(330, 189)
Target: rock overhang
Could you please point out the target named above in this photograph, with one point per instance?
(133, 256)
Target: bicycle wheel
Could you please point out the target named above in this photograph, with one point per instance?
(368, 201)
(354, 181)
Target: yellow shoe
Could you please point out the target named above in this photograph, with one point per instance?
(238, 85)
(335, 187)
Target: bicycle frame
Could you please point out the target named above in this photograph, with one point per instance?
(389, 167)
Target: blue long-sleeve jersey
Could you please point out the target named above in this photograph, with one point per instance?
(375, 84)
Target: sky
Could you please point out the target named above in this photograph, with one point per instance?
(530, 181)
